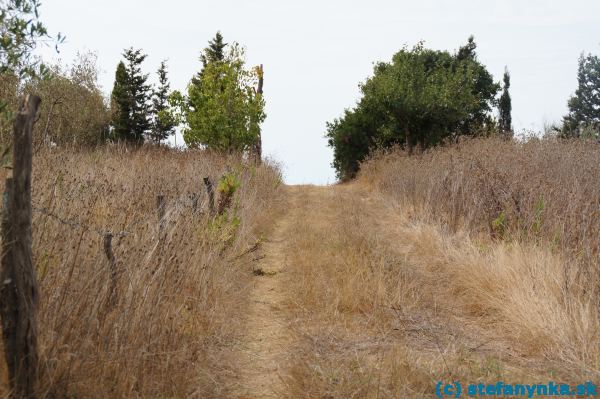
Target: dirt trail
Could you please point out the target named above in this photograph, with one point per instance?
(266, 341)
(319, 247)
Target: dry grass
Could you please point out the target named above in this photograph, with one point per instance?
(177, 305)
(400, 280)
(365, 321)
(529, 191)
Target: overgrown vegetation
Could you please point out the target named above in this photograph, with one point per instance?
(536, 190)
(177, 303)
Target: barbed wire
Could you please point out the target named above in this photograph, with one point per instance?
(174, 206)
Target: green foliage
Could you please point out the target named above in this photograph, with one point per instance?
(539, 211)
(20, 32)
(215, 52)
(121, 104)
(130, 99)
(505, 107)
(499, 225)
(228, 184)
(226, 189)
(163, 120)
(222, 108)
(584, 105)
(223, 228)
(418, 99)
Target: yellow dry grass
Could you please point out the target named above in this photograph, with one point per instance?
(176, 316)
(374, 289)
(384, 303)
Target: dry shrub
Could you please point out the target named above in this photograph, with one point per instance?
(177, 292)
(536, 191)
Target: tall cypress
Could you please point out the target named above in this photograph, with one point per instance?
(121, 105)
(505, 107)
(139, 93)
(163, 124)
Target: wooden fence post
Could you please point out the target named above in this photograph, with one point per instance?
(112, 270)
(211, 194)
(19, 289)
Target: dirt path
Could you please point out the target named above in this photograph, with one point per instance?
(266, 341)
(339, 309)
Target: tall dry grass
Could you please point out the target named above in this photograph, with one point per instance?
(177, 303)
(534, 191)
(411, 274)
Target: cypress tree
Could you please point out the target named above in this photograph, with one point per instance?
(121, 104)
(505, 107)
(139, 94)
(163, 124)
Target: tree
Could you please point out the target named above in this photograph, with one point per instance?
(417, 100)
(215, 51)
(163, 122)
(505, 107)
(131, 108)
(223, 108)
(485, 90)
(584, 105)
(139, 96)
(121, 104)
(20, 31)
(73, 110)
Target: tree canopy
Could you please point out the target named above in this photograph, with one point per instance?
(417, 100)
(584, 105)
(223, 108)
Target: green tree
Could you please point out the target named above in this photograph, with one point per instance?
(215, 51)
(584, 105)
(223, 108)
(505, 107)
(417, 100)
(20, 31)
(163, 121)
(485, 90)
(121, 104)
(139, 94)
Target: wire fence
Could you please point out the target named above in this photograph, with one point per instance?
(184, 201)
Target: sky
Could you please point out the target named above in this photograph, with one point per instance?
(315, 53)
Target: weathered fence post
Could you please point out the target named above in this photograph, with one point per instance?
(160, 210)
(112, 269)
(211, 194)
(19, 289)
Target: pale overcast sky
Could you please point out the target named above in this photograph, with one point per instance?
(316, 52)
